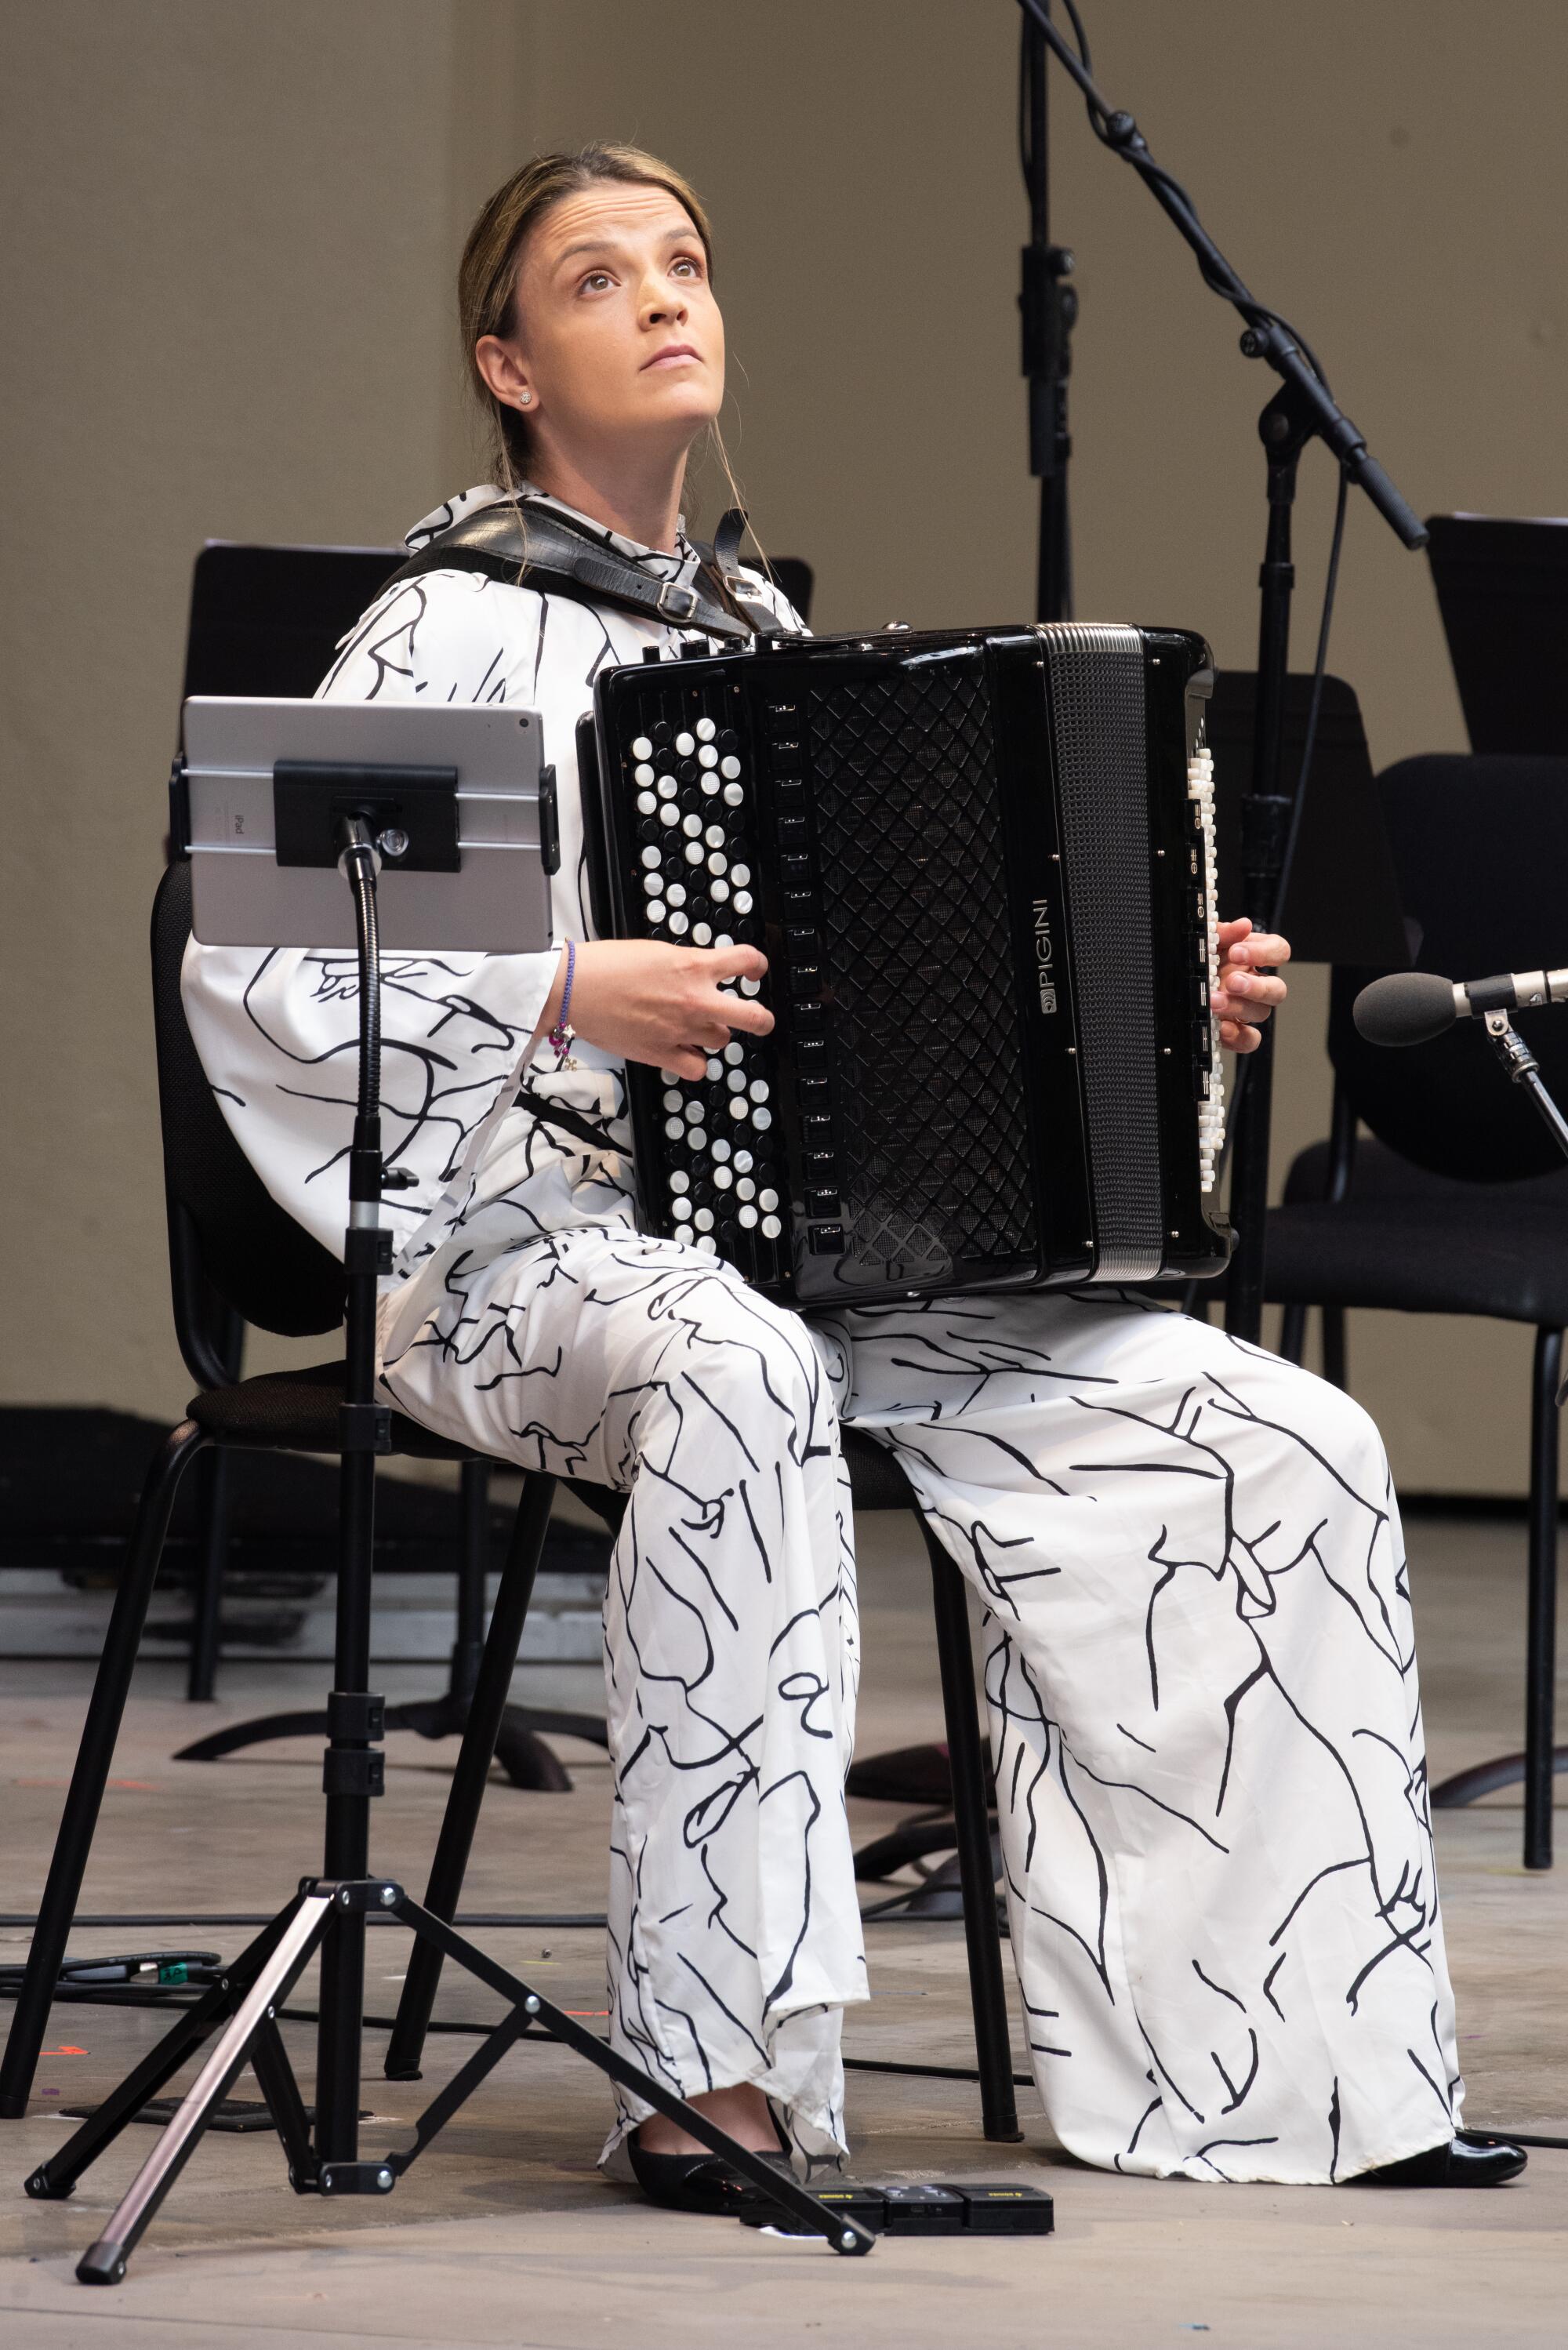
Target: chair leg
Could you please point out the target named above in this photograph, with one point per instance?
(1541, 1645)
(1292, 1333)
(988, 1991)
(473, 1564)
(1334, 1369)
(106, 1705)
(212, 1563)
(467, 1791)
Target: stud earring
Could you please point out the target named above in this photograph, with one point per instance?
(524, 398)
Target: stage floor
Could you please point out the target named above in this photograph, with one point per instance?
(505, 2234)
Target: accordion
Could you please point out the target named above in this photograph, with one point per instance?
(981, 868)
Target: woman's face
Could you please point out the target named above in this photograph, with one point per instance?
(618, 336)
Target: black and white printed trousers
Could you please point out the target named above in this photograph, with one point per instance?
(1200, 1674)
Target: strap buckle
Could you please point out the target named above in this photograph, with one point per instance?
(676, 603)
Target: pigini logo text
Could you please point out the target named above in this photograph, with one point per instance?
(1044, 956)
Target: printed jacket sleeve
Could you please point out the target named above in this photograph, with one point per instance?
(277, 1033)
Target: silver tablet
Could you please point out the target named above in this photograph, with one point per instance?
(459, 795)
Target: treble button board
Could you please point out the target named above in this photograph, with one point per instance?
(697, 879)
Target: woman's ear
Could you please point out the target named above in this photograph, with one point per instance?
(503, 371)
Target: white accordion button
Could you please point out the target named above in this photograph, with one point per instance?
(681, 1209)
(668, 787)
(734, 796)
(759, 1089)
(669, 1076)
(745, 1189)
(693, 852)
(700, 934)
(680, 1180)
(696, 1139)
(642, 747)
(653, 885)
(678, 923)
(772, 1228)
(719, 891)
(722, 1175)
(669, 814)
(703, 1220)
(717, 865)
(644, 775)
(675, 893)
(656, 909)
(715, 836)
(715, 1071)
(748, 986)
(735, 1052)
(707, 1243)
(722, 1150)
(743, 906)
(742, 875)
(723, 939)
(685, 745)
(709, 786)
(748, 1217)
(768, 1201)
(691, 825)
(652, 857)
(743, 1162)
(673, 1100)
(646, 803)
(730, 768)
(708, 756)
(673, 1130)
(706, 730)
(738, 1106)
(693, 1113)
(736, 1080)
(761, 1119)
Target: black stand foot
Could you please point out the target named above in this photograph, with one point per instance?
(519, 1747)
(246, 2004)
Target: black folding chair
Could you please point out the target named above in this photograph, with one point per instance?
(231, 1242)
(1459, 1202)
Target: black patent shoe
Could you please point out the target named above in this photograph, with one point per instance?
(695, 2182)
(1469, 2161)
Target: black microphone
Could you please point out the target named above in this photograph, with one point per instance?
(1409, 1007)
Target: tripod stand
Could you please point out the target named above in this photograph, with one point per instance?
(327, 1915)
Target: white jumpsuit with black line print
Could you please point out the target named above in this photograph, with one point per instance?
(1201, 1666)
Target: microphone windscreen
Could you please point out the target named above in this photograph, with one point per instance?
(1406, 1008)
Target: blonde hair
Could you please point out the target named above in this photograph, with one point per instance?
(487, 275)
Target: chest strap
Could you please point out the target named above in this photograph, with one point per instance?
(535, 546)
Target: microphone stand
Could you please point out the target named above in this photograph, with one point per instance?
(1048, 309)
(1304, 409)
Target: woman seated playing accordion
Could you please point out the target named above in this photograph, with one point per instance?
(1201, 1672)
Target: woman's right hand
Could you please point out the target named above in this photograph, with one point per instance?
(647, 1001)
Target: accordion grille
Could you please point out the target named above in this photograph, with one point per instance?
(933, 1130)
(1098, 726)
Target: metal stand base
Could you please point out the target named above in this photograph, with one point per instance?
(243, 2010)
(519, 1746)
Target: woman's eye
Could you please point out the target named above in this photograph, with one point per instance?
(593, 282)
(691, 268)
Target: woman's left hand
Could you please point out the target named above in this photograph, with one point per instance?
(1248, 990)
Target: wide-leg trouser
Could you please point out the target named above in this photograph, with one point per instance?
(731, 1648)
(1210, 1771)
(1201, 1681)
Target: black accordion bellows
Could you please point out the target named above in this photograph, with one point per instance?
(981, 867)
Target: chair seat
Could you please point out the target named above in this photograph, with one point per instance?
(296, 1411)
(1421, 1243)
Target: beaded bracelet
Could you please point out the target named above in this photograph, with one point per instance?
(562, 1036)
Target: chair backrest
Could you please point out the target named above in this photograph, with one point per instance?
(250, 1251)
(1481, 849)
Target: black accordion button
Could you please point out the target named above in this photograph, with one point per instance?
(827, 1240)
(663, 733)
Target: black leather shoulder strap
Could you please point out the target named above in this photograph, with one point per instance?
(536, 547)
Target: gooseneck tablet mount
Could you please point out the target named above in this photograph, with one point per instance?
(328, 1914)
